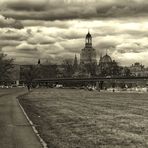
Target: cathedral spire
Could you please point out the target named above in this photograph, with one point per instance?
(75, 65)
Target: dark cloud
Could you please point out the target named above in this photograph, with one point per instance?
(57, 24)
(51, 10)
(11, 37)
(123, 8)
(59, 14)
(4, 43)
(28, 5)
(10, 23)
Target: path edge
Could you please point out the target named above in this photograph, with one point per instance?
(43, 143)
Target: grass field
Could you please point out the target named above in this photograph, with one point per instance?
(69, 118)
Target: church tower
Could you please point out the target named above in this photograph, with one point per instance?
(88, 60)
(88, 53)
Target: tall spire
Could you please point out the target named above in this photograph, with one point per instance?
(75, 64)
(39, 62)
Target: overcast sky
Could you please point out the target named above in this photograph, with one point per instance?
(55, 29)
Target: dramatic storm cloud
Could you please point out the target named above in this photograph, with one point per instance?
(55, 29)
(51, 10)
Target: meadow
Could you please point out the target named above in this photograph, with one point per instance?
(75, 118)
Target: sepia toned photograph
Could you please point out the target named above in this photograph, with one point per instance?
(73, 74)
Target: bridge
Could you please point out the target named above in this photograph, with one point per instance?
(96, 81)
(93, 79)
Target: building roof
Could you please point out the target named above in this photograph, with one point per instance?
(106, 59)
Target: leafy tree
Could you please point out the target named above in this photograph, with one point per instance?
(127, 72)
(91, 69)
(115, 70)
(68, 67)
(6, 65)
(29, 73)
(46, 71)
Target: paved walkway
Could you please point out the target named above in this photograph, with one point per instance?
(15, 131)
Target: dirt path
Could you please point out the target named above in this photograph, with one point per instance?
(15, 131)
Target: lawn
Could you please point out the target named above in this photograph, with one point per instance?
(73, 118)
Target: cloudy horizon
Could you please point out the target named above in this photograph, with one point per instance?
(52, 30)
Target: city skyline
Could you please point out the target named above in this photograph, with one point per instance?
(43, 29)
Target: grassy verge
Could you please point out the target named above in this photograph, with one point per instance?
(69, 118)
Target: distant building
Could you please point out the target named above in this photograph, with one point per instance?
(88, 60)
(105, 62)
(138, 70)
(87, 67)
(88, 53)
(107, 66)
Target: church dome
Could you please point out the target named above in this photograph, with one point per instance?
(106, 59)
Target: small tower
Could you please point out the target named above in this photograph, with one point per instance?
(39, 62)
(88, 60)
(75, 64)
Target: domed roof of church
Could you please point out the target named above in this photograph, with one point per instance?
(88, 35)
(106, 59)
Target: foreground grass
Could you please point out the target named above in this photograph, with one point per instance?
(69, 118)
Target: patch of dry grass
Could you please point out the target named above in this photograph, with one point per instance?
(69, 118)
